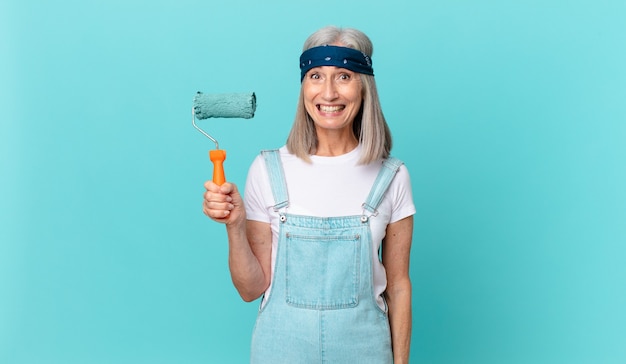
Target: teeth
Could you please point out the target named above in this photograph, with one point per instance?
(330, 108)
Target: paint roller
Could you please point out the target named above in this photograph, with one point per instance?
(227, 105)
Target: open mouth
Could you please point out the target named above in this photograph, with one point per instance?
(330, 108)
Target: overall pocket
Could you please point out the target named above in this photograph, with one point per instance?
(322, 272)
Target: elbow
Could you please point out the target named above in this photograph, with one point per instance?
(248, 297)
(399, 288)
(250, 293)
(251, 285)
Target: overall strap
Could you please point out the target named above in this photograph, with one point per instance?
(381, 184)
(277, 178)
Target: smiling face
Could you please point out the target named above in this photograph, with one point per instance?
(332, 97)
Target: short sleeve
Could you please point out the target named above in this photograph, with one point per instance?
(258, 193)
(401, 196)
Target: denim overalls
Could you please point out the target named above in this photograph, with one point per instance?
(322, 307)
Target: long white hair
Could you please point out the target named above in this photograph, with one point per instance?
(369, 127)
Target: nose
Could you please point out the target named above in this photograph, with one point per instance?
(330, 89)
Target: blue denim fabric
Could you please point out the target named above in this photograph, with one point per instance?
(322, 307)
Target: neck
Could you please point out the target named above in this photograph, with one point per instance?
(331, 147)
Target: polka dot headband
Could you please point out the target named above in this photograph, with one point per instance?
(342, 57)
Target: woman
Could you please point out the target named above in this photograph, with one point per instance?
(325, 230)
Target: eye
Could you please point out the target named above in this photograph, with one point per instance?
(314, 76)
(345, 76)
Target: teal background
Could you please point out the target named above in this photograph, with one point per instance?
(510, 115)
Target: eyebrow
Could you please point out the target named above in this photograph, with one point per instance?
(335, 70)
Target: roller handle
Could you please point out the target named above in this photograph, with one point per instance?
(218, 156)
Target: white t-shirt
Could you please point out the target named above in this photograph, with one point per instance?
(328, 187)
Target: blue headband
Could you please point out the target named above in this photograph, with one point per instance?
(342, 57)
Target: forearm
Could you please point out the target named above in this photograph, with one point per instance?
(245, 269)
(249, 242)
(400, 320)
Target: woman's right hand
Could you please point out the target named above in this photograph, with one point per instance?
(249, 242)
(223, 203)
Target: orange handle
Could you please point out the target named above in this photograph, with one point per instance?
(218, 156)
